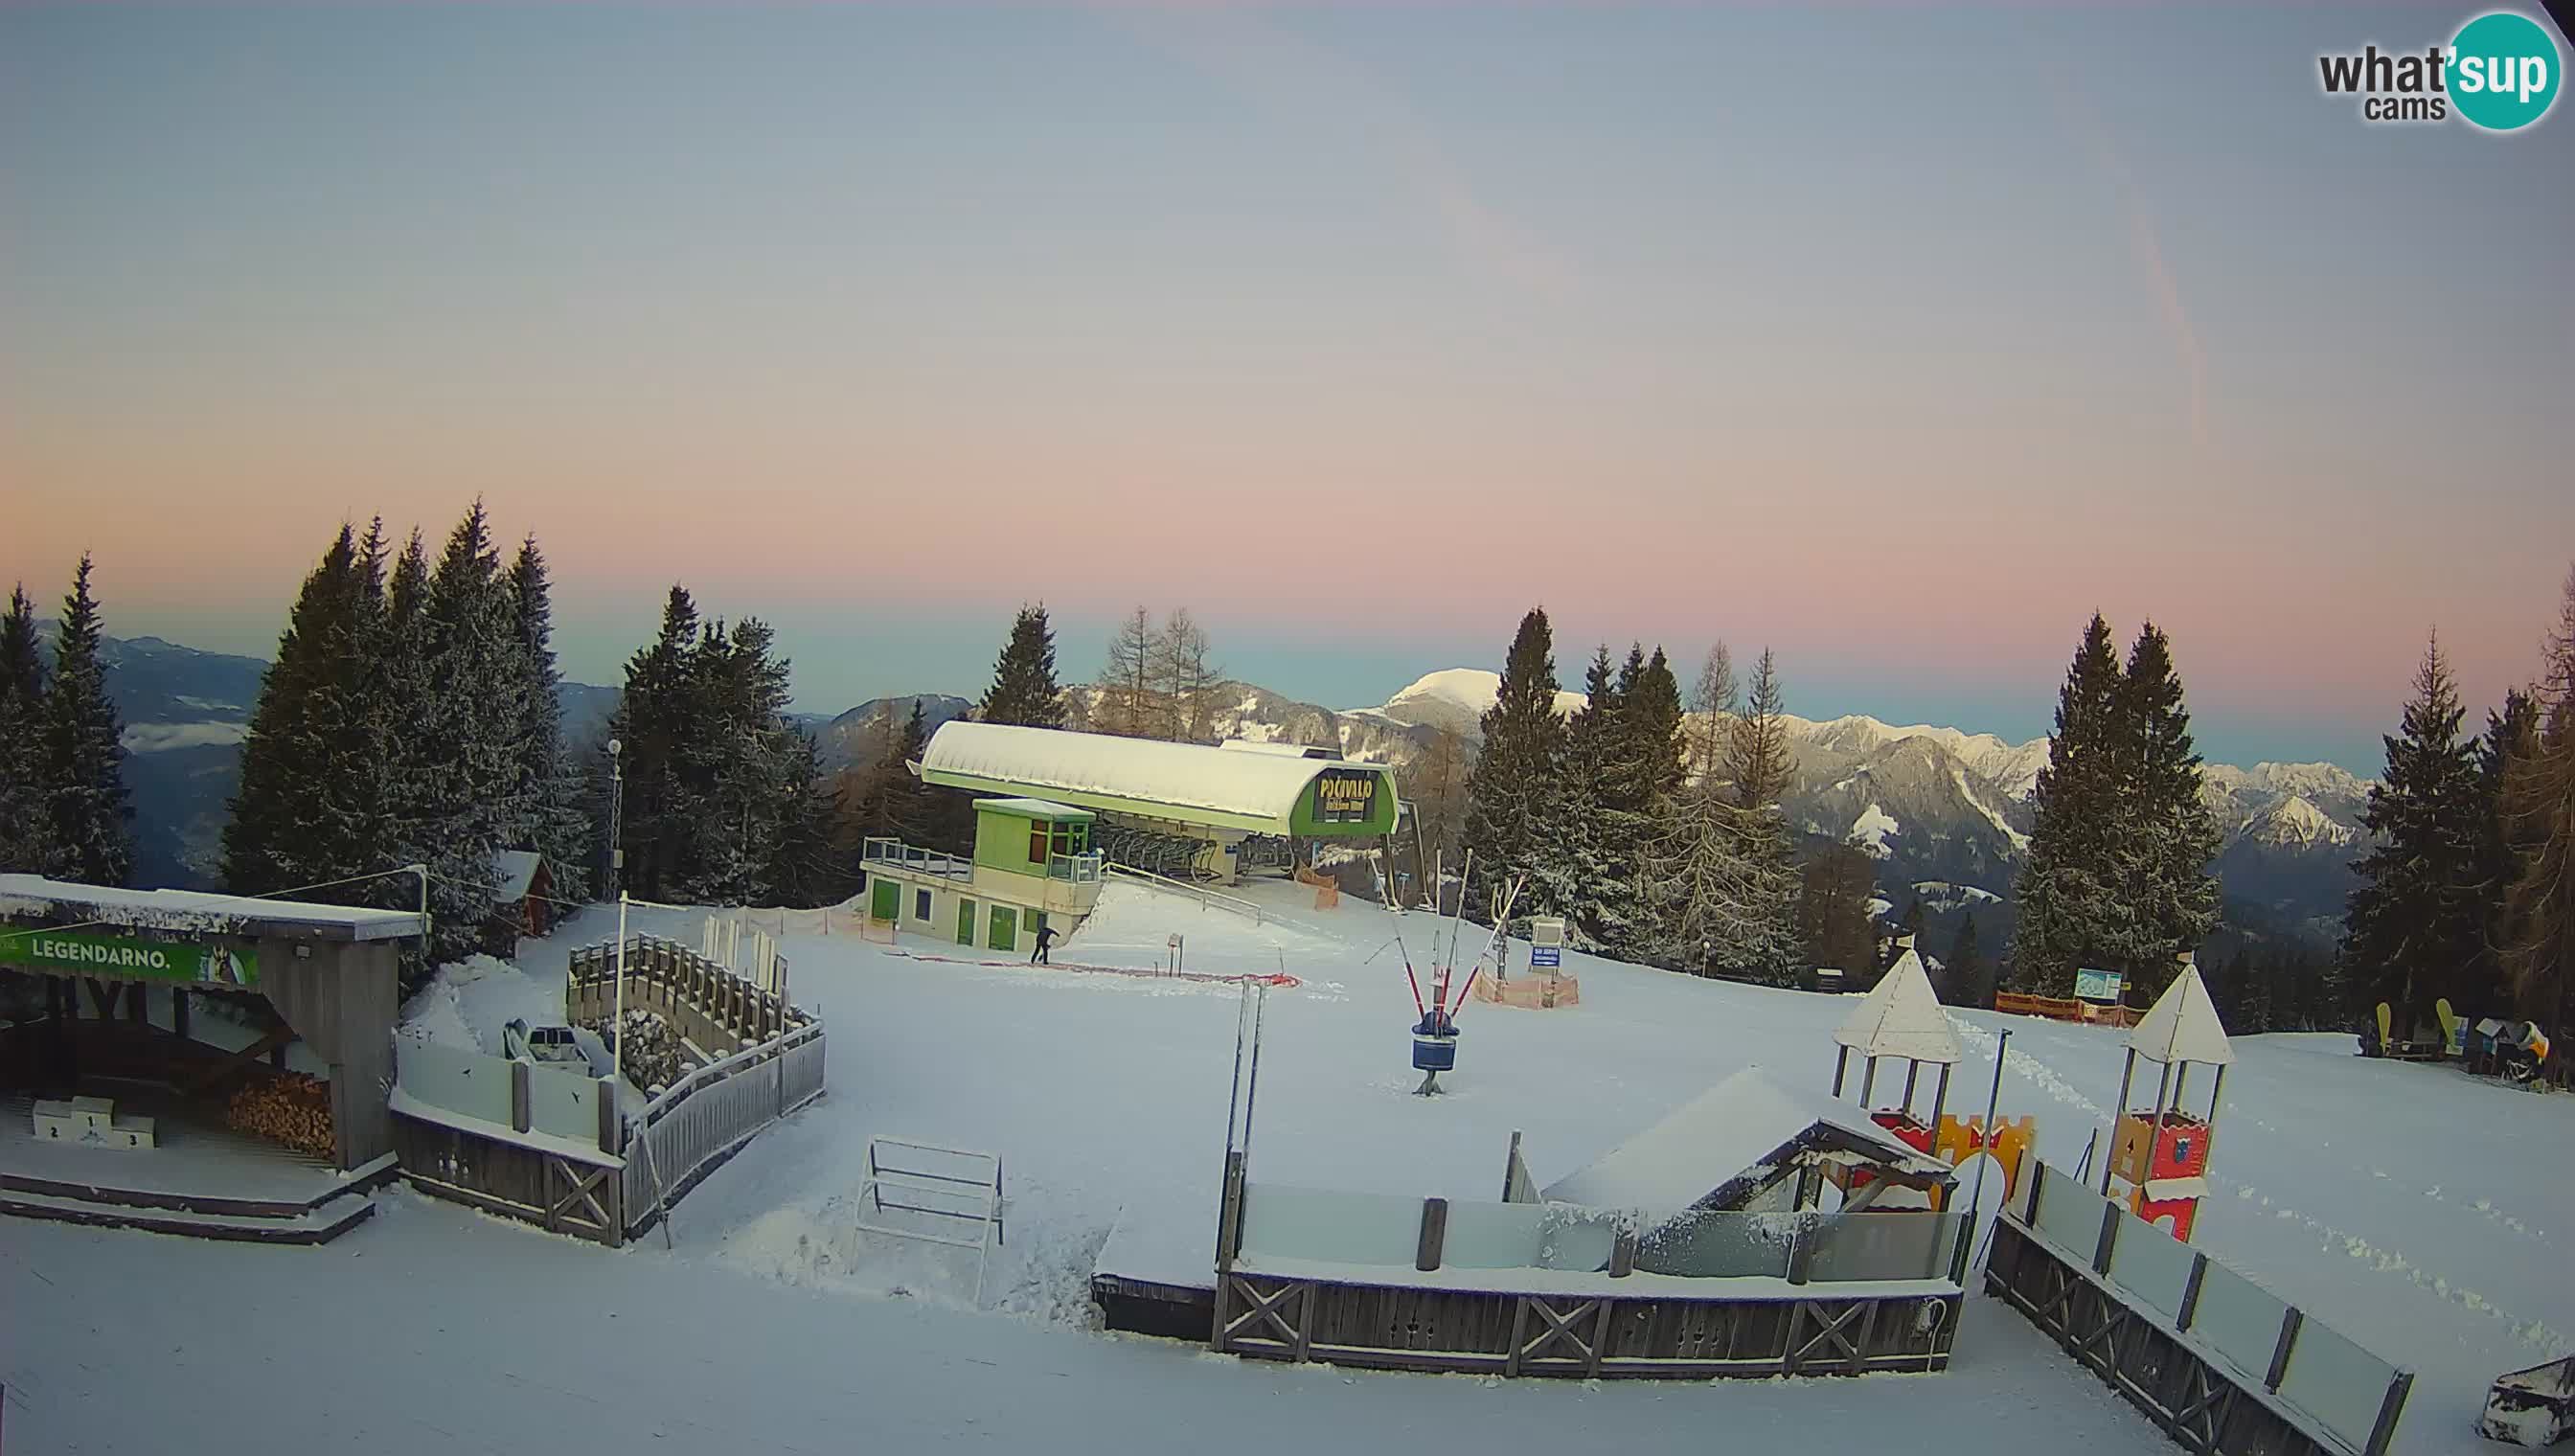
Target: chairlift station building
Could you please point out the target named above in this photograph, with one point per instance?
(1037, 859)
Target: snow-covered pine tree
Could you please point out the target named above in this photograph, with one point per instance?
(650, 718)
(306, 813)
(807, 868)
(26, 793)
(549, 792)
(1720, 894)
(409, 784)
(468, 734)
(2416, 922)
(2168, 832)
(1582, 847)
(1515, 815)
(1639, 783)
(1024, 691)
(2067, 879)
(90, 805)
(2539, 799)
(741, 755)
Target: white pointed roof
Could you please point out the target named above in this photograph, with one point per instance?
(2184, 1027)
(1901, 1016)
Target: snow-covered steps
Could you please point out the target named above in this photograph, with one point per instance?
(319, 1219)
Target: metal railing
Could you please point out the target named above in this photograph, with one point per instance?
(898, 855)
(1205, 896)
(1077, 869)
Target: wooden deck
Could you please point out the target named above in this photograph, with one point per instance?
(203, 1180)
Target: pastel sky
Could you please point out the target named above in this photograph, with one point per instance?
(1896, 338)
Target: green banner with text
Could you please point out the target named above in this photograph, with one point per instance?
(79, 953)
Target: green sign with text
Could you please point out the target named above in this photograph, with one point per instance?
(79, 953)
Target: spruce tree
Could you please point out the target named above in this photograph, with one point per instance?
(2415, 923)
(651, 717)
(548, 796)
(462, 745)
(306, 811)
(409, 783)
(2068, 879)
(1516, 817)
(2166, 831)
(1833, 928)
(1968, 978)
(26, 795)
(94, 842)
(2539, 813)
(1024, 691)
(1583, 840)
(2510, 735)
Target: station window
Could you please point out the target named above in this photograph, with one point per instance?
(921, 905)
(1037, 841)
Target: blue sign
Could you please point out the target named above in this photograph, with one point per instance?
(1547, 955)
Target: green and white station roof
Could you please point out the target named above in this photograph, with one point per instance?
(1184, 784)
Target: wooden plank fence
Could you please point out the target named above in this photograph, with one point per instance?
(770, 1064)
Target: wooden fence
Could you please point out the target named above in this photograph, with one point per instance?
(711, 1006)
(769, 1063)
(2224, 1368)
(2064, 1008)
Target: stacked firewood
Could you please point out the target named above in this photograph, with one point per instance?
(289, 1107)
(654, 1056)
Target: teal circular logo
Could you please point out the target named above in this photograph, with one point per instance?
(2503, 71)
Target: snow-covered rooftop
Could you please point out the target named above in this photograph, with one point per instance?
(514, 874)
(1734, 1127)
(2183, 1025)
(1042, 809)
(196, 913)
(1183, 776)
(1901, 1016)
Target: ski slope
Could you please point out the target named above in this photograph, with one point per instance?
(2409, 1207)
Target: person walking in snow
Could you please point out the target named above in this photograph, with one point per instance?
(1046, 938)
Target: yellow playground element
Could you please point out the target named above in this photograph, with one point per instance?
(1963, 1137)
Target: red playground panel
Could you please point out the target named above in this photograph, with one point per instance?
(2181, 1151)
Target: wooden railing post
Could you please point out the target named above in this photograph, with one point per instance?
(1434, 1234)
(1623, 1254)
(2390, 1406)
(2109, 1238)
(518, 1096)
(612, 1120)
(2290, 1323)
(2190, 1291)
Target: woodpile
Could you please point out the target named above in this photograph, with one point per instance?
(654, 1056)
(288, 1108)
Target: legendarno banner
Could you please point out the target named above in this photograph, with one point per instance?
(119, 956)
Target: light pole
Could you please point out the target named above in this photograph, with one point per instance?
(616, 815)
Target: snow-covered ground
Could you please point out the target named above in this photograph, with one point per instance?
(2409, 1207)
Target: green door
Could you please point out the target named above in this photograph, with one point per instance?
(965, 922)
(889, 899)
(1005, 929)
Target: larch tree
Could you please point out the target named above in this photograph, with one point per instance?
(26, 795)
(1129, 703)
(1757, 761)
(91, 809)
(2539, 810)
(1025, 692)
(1437, 785)
(1186, 680)
(1714, 701)
(2415, 923)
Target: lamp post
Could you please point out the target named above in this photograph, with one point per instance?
(616, 815)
